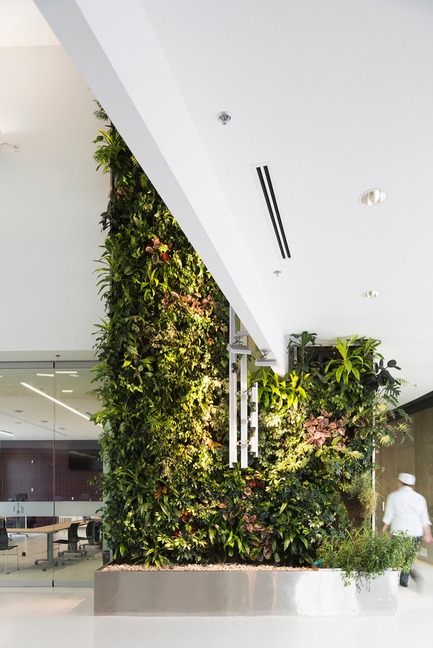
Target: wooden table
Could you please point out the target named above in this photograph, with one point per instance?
(49, 530)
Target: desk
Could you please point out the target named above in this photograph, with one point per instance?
(50, 530)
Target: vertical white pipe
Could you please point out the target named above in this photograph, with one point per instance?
(233, 388)
(244, 412)
(254, 420)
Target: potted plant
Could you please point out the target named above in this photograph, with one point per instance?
(362, 554)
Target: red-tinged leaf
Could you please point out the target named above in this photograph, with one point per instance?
(222, 505)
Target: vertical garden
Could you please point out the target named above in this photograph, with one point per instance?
(162, 382)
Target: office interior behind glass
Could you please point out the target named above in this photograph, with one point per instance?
(51, 528)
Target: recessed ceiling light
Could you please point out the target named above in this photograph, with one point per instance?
(370, 294)
(372, 197)
(8, 433)
(67, 391)
(66, 372)
(224, 117)
(54, 400)
(46, 375)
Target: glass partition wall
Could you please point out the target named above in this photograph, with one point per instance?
(49, 465)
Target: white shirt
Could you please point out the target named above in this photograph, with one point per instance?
(406, 511)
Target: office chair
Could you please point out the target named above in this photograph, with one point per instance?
(72, 542)
(5, 546)
(97, 532)
(93, 533)
(90, 528)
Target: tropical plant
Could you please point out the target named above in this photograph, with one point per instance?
(275, 393)
(162, 371)
(162, 381)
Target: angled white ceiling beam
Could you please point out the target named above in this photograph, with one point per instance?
(117, 52)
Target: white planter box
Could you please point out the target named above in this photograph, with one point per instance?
(240, 593)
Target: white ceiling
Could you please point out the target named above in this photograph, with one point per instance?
(26, 415)
(51, 195)
(51, 198)
(336, 96)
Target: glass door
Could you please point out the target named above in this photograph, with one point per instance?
(26, 472)
(77, 499)
(49, 461)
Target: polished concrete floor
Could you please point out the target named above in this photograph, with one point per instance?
(48, 618)
(33, 548)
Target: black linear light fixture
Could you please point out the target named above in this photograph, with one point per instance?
(274, 212)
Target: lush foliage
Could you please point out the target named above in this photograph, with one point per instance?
(162, 370)
(162, 380)
(363, 554)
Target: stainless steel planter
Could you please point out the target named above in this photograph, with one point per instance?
(240, 593)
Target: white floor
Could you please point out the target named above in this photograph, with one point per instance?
(49, 618)
(34, 547)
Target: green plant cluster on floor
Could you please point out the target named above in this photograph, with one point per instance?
(363, 554)
(162, 381)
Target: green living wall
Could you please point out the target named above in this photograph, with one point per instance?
(162, 380)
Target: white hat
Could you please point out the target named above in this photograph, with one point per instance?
(407, 479)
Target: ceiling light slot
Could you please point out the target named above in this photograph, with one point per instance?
(273, 209)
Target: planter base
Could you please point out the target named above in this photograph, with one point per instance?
(240, 593)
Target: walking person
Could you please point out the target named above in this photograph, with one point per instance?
(407, 511)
